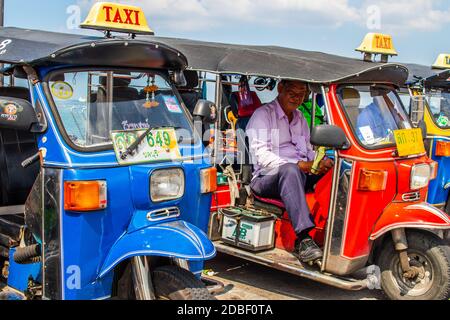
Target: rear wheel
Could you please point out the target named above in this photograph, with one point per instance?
(430, 257)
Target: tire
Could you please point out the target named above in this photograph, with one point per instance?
(427, 252)
(169, 283)
(175, 283)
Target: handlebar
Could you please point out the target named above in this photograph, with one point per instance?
(29, 161)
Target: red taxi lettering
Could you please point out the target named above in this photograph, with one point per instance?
(108, 11)
(128, 14)
(126, 17)
(117, 17)
(136, 13)
(383, 42)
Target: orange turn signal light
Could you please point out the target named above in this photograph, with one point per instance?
(372, 180)
(85, 195)
(443, 149)
(208, 180)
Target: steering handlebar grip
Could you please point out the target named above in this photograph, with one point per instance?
(29, 161)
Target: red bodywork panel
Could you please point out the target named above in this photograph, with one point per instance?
(410, 215)
(368, 214)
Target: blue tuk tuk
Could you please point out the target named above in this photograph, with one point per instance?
(105, 192)
(427, 93)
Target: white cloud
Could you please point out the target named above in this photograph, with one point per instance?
(412, 15)
(397, 16)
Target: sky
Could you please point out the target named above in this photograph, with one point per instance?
(419, 27)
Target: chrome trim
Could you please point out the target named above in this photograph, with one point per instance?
(438, 137)
(182, 263)
(163, 214)
(12, 210)
(331, 211)
(52, 248)
(217, 123)
(350, 284)
(411, 196)
(142, 282)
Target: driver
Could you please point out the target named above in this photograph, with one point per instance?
(283, 157)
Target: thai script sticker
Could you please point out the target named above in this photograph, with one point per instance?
(159, 145)
(409, 142)
(172, 104)
(10, 111)
(62, 90)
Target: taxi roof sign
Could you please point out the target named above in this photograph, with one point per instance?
(378, 43)
(107, 16)
(442, 62)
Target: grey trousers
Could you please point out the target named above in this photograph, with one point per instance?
(288, 184)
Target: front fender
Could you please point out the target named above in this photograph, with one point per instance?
(404, 215)
(176, 239)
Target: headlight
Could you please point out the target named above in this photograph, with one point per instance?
(420, 176)
(167, 184)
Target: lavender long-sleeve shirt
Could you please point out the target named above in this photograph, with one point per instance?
(274, 141)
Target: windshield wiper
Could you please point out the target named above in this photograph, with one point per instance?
(132, 148)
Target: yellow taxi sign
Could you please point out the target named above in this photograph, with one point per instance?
(409, 142)
(110, 16)
(377, 43)
(442, 62)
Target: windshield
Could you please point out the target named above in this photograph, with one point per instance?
(92, 104)
(374, 112)
(439, 102)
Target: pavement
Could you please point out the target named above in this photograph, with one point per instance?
(250, 281)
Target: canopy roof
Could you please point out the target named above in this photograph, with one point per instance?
(427, 76)
(286, 63)
(42, 48)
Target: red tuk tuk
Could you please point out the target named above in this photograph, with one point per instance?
(370, 211)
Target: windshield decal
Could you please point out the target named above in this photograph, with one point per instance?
(62, 90)
(135, 125)
(443, 121)
(172, 104)
(367, 134)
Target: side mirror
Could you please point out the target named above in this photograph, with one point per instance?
(329, 137)
(17, 114)
(206, 111)
(179, 79)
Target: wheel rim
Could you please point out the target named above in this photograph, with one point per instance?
(419, 285)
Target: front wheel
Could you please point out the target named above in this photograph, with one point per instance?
(175, 283)
(170, 282)
(430, 256)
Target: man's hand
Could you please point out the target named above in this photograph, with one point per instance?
(305, 166)
(325, 166)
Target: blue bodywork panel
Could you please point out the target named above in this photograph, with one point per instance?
(171, 239)
(92, 243)
(20, 273)
(438, 192)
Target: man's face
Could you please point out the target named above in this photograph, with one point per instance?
(292, 94)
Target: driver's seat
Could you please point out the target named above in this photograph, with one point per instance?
(15, 146)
